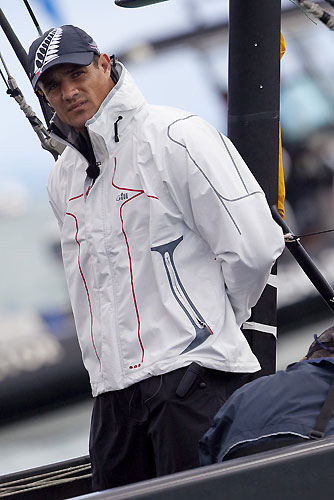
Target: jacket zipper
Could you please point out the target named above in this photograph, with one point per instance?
(179, 293)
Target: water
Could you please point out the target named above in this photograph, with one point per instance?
(52, 437)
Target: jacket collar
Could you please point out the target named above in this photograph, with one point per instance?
(123, 100)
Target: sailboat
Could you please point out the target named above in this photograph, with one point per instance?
(273, 475)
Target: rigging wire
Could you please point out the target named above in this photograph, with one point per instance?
(298, 236)
(313, 9)
(14, 41)
(297, 4)
(49, 144)
(325, 17)
(23, 58)
(314, 234)
(33, 17)
(4, 79)
(304, 260)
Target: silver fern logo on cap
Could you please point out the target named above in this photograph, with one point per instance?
(48, 50)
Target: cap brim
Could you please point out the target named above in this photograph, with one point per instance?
(78, 58)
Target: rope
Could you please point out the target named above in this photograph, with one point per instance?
(45, 480)
(318, 12)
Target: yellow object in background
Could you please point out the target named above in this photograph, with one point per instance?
(281, 184)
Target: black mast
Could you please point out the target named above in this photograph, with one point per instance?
(253, 126)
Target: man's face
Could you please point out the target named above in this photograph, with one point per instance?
(76, 92)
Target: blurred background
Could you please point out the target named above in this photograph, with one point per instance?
(177, 52)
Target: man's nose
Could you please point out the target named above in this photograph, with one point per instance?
(68, 90)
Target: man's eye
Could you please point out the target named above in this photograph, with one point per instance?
(76, 74)
(51, 87)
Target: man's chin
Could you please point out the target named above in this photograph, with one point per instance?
(77, 119)
(79, 123)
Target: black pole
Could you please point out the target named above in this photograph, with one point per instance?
(136, 3)
(14, 41)
(253, 126)
(306, 263)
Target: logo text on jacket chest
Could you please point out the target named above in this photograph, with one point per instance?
(122, 196)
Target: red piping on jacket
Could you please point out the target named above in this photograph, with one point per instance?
(138, 193)
(76, 197)
(84, 280)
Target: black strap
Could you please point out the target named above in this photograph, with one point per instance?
(325, 414)
(86, 148)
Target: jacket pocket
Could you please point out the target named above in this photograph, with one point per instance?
(202, 330)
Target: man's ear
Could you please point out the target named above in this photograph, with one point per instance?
(104, 62)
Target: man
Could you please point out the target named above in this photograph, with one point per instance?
(167, 243)
(276, 410)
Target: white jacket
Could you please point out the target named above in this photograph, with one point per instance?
(169, 249)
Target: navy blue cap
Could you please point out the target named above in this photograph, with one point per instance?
(66, 44)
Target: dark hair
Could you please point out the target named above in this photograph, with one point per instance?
(96, 58)
(323, 346)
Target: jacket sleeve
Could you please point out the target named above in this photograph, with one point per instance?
(222, 201)
(56, 189)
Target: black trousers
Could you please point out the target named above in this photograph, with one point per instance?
(148, 430)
